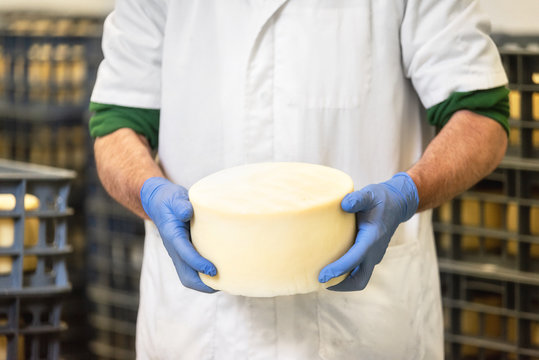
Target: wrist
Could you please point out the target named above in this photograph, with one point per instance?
(405, 186)
(148, 191)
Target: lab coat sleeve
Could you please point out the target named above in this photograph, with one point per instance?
(446, 48)
(130, 74)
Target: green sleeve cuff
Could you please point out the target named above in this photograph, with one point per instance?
(109, 118)
(492, 103)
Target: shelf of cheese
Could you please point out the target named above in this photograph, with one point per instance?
(518, 124)
(33, 250)
(46, 60)
(521, 62)
(4, 348)
(115, 240)
(486, 227)
(7, 232)
(490, 319)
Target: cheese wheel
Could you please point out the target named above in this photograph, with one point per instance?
(4, 347)
(470, 215)
(7, 231)
(514, 104)
(269, 228)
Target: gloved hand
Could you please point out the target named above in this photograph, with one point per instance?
(379, 208)
(168, 205)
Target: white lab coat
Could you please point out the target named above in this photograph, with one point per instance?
(336, 82)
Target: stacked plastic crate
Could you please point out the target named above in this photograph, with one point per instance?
(115, 246)
(33, 250)
(47, 69)
(488, 238)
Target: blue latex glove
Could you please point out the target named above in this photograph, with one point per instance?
(379, 208)
(168, 205)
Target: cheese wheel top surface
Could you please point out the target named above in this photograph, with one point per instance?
(273, 187)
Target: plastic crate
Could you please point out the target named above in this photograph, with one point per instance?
(115, 241)
(490, 317)
(47, 65)
(115, 245)
(496, 222)
(113, 318)
(487, 239)
(47, 70)
(31, 292)
(520, 56)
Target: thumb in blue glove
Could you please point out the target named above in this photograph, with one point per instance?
(379, 208)
(168, 205)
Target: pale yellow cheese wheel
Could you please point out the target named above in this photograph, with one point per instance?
(514, 113)
(514, 104)
(3, 348)
(512, 225)
(470, 215)
(269, 228)
(7, 231)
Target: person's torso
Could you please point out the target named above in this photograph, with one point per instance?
(311, 80)
(318, 81)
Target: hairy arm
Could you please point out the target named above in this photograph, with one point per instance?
(124, 161)
(468, 148)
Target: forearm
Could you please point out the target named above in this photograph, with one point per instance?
(467, 149)
(124, 161)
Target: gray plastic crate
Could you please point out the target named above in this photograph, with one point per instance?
(30, 296)
(113, 318)
(48, 64)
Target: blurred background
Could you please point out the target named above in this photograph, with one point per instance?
(487, 239)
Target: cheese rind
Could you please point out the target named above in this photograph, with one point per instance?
(269, 228)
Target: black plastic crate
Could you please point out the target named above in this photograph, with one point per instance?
(34, 275)
(496, 222)
(113, 318)
(115, 240)
(520, 56)
(490, 318)
(487, 239)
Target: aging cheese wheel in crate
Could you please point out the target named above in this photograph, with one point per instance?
(7, 231)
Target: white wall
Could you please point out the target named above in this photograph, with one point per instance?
(510, 16)
(65, 7)
(513, 16)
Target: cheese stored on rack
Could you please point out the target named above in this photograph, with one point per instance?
(4, 347)
(7, 231)
(269, 228)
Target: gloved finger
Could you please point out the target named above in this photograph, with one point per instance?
(181, 207)
(190, 278)
(361, 200)
(366, 236)
(176, 235)
(357, 280)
